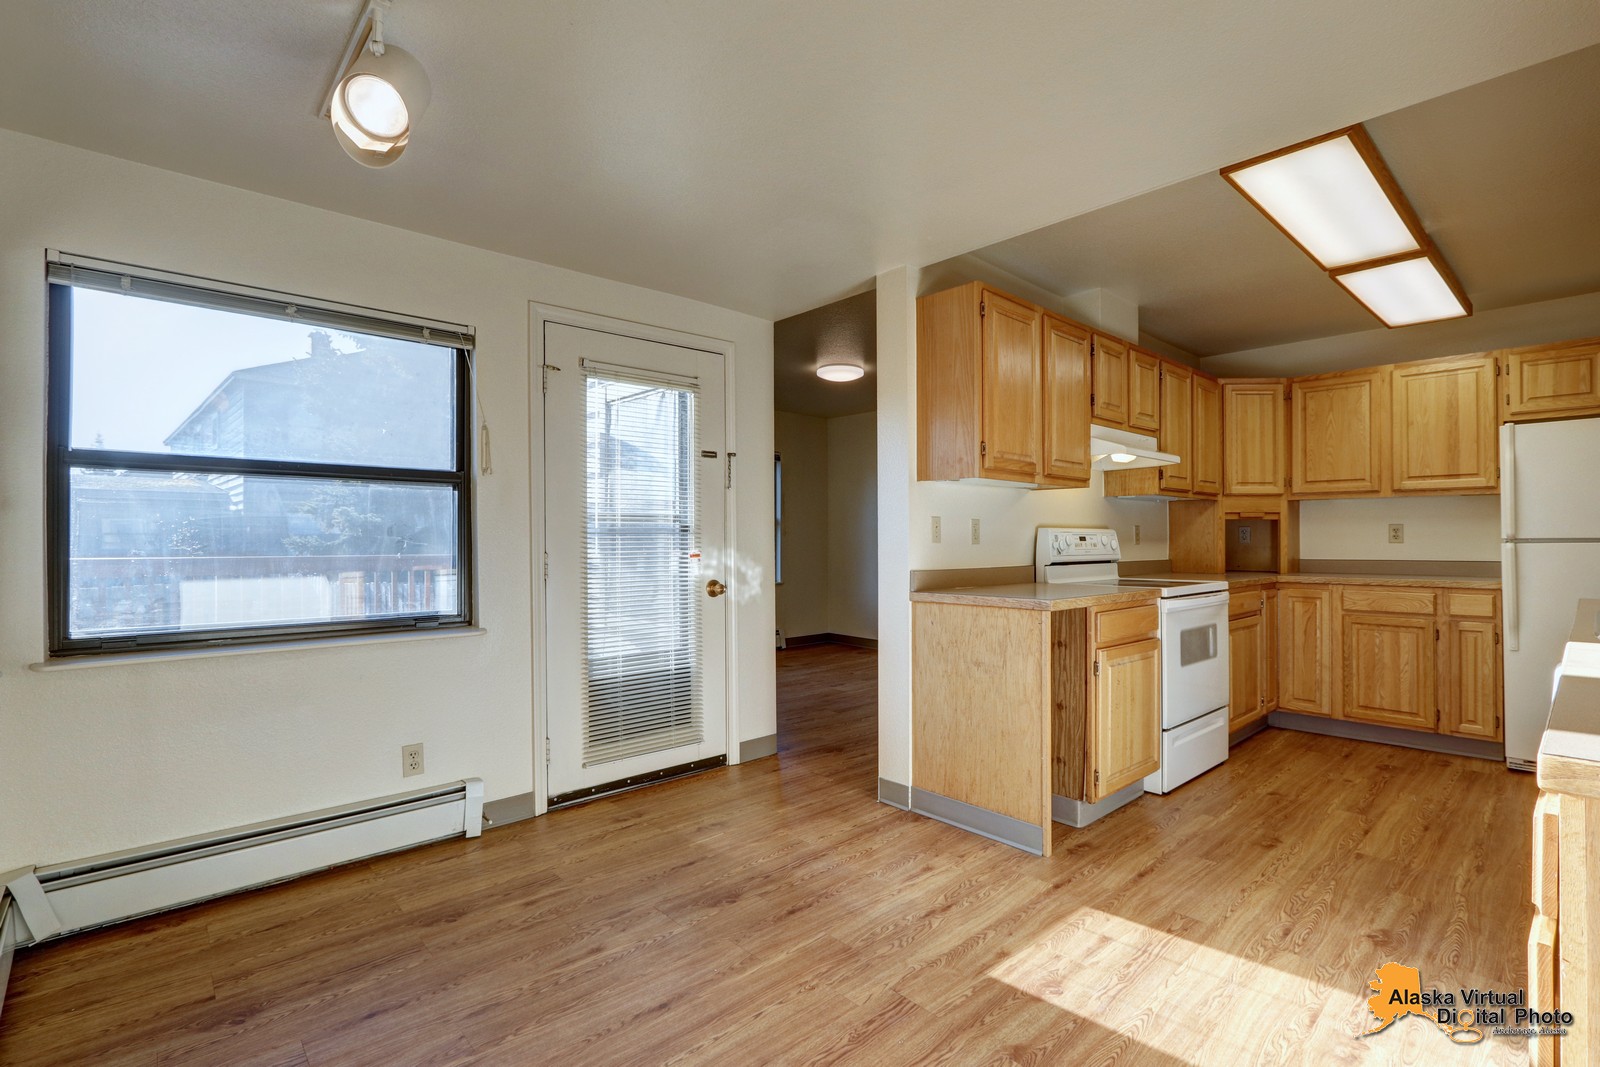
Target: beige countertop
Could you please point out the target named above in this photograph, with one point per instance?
(1569, 754)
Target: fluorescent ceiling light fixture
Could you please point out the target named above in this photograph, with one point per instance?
(1334, 197)
(1406, 290)
(379, 94)
(840, 372)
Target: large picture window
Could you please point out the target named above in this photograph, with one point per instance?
(230, 466)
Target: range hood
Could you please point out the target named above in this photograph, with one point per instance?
(1121, 450)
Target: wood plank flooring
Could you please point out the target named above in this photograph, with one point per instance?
(775, 913)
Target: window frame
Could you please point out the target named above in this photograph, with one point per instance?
(61, 458)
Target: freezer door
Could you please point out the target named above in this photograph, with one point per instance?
(1546, 479)
(1542, 584)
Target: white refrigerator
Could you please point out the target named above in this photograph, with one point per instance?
(1549, 558)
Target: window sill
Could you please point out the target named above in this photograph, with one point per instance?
(109, 659)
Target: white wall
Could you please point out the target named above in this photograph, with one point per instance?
(1437, 528)
(852, 525)
(120, 755)
(802, 440)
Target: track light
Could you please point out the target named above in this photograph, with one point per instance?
(380, 93)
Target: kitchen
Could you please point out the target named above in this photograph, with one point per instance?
(1296, 489)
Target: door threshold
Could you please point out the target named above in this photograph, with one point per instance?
(637, 781)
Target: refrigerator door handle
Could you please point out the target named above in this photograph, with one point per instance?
(1508, 480)
(1508, 591)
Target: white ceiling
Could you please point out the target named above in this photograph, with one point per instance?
(1502, 174)
(765, 157)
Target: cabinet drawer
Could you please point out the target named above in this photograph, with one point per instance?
(1116, 626)
(1390, 601)
(1245, 602)
(1469, 605)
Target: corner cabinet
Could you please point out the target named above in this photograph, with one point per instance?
(981, 384)
(1444, 430)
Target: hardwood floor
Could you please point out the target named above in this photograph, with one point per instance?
(774, 913)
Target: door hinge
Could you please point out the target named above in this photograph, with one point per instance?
(1097, 779)
(544, 380)
(1097, 668)
(547, 753)
(729, 484)
(983, 448)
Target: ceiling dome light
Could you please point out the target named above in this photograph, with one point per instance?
(378, 99)
(840, 372)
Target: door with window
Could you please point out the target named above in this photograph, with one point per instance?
(636, 611)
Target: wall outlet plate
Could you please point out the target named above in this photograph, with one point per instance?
(410, 760)
(1244, 535)
(938, 530)
(975, 535)
(1397, 533)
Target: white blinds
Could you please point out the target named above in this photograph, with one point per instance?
(641, 604)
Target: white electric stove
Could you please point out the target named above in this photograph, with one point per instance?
(1194, 647)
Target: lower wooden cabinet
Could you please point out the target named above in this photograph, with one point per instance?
(1125, 723)
(1306, 649)
(1389, 668)
(1247, 661)
(1269, 638)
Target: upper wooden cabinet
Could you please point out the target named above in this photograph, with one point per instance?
(1066, 412)
(1552, 381)
(1256, 437)
(1176, 436)
(1144, 391)
(1206, 451)
(1109, 399)
(1001, 394)
(1445, 434)
(1339, 429)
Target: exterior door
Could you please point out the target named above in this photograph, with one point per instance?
(635, 618)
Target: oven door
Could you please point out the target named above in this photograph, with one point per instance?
(1194, 657)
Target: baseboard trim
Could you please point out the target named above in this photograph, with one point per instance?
(508, 810)
(1078, 814)
(758, 748)
(894, 794)
(807, 640)
(8, 945)
(1388, 735)
(980, 821)
(1249, 730)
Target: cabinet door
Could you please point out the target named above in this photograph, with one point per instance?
(1144, 391)
(1338, 432)
(1269, 641)
(1445, 433)
(1011, 340)
(1469, 679)
(1207, 448)
(1551, 380)
(1066, 402)
(1305, 651)
(1177, 437)
(1389, 670)
(1255, 431)
(1110, 383)
(1125, 723)
(1246, 702)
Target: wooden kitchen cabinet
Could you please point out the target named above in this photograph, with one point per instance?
(1206, 449)
(1066, 459)
(1109, 398)
(1339, 429)
(1445, 433)
(1269, 637)
(1551, 381)
(1125, 717)
(1144, 391)
(1389, 663)
(1471, 695)
(1307, 665)
(1176, 435)
(1256, 437)
(1248, 641)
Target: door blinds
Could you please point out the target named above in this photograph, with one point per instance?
(641, 605)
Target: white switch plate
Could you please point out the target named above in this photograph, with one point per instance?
(938, 531)
(1397, 533)
(975, 537)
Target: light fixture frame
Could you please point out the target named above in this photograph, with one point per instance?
(1368, 151)
(366, 48)
(1428, 251)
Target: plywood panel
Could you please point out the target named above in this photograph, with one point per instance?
(981, 707)
(1546, 854)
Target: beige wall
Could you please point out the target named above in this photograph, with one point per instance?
(1437, 528)
(829, 528)
(126, 754)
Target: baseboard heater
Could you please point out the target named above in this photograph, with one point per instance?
(48, 902)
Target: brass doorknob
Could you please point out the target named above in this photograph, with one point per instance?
(715, 588)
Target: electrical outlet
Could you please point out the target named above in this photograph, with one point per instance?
(410, 760)
(1244, 535)
(938, 530)
(1397, 533)
(1137, 533)
(975, 538)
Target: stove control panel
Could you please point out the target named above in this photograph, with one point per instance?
(1061, 545)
